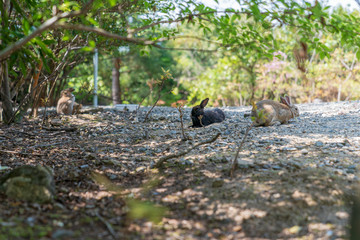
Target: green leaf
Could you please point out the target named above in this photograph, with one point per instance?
(358, 55)
(26, 26)
(22, 67)
(112, 2)
(144, 52)
(87, 49)
(92, 44)
(43, 47)
(45, 63)
(256, 12)
(145, 210)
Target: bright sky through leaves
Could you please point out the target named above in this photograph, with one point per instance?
(351, 4)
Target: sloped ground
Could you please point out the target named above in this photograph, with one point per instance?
(294, 181)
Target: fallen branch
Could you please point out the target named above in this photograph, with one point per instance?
(234, 163)
(175, 155)
(108, 226)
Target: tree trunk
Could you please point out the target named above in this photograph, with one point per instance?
(116, 89)
(5, 93)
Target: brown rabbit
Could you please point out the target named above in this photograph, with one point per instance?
(275, 113)
(66, 102)
(76, 108)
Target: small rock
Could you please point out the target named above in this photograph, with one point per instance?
(296, 164)
(276, 167)
(112, 177)
(56, 122)
(30, 221)
(63, 234)
(7, 224)
(288, 149)
(59, 206)
(227, 132)
(266, 166)
(319, 144)
(140, 169)
(192, 135)
(352, 167)
(90, 156)
(304, 151)
(187, 162)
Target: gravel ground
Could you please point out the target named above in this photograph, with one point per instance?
(313, 160)
(294, 181)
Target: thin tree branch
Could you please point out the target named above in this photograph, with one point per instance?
(175, 155)
(132, 31)
(234, 163)
(43, 27)
(186, 49)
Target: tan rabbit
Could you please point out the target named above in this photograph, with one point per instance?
(275, 113)
(66, 102)
(76, 108)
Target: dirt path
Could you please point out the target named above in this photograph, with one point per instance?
(294, 181)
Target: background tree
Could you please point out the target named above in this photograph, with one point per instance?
(32, 33)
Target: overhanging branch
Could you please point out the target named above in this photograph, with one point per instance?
(43, 27)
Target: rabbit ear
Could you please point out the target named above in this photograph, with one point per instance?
(284, 101)
(204, 102)
(288, 99)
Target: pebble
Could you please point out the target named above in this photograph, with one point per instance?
(62, 233)
(288, 149)
(304, 151)
(112, 176)
(319, 144)
(352, 167)
(140, 169)
(276, 167)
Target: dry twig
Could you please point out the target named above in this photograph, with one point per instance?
(164, 77)
(180, 108)
(234, 163)
(175, 155)
(108, 226)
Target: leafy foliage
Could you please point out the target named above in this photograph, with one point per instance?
(234, 45)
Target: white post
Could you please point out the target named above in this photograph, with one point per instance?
(95, 77)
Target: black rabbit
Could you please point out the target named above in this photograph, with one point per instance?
(202, 118)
